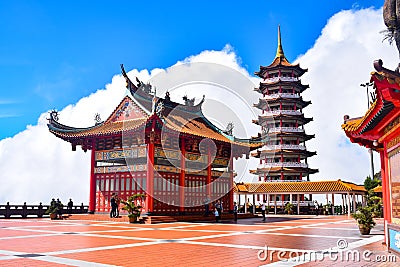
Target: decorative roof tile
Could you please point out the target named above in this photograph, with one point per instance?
(300, 187)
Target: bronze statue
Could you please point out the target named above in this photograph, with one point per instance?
(391, 17)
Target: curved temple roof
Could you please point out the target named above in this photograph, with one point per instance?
(134, 111)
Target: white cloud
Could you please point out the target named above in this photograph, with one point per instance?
(339, 62)
(37, 166)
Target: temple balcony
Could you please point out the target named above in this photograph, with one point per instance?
(283, 79)
(278, 147)
(281, 112)
(286, 129)
(283, 165)
(283, 95)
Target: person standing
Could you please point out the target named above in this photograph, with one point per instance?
(263, 207)
(59, 207)
(117, 202)
(316, 208)
(235, 212)
(218, 206)
(113, 206)
(217, 216)
(70, 205)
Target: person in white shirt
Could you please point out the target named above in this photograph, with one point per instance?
(263, 207)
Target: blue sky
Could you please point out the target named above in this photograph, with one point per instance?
(53, 53)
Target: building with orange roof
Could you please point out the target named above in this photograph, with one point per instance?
(379, 129)
(348, 191)
(169, 151)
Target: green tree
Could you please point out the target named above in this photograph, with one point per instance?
(371, 183)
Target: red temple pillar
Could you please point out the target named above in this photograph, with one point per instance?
(230, 194)
(385, 186)
(150, 174)
(92, 186)
(182, 177)
(208, 179)
(385, 194)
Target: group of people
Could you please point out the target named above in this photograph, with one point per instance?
(58, 206)
(219, 209)
(115, 201)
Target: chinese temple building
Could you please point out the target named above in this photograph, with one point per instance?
(284, 156)
(169, 151)
(379, 129)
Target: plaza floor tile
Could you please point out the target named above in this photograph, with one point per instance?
(231, 227)
(161, 234)
(25, 262)
(43, 244)
(172, 255)
(270, 240)
(12, 233)
(321, 232)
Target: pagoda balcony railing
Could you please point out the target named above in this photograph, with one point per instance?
(281, 112)
(286, 129)
(285, 95)
(283, 165)
(284, 79)
(275, 147)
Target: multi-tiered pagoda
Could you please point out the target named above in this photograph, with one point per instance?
(284, 155)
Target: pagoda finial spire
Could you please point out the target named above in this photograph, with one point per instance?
(279, 50)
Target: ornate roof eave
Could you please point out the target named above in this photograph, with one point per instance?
(364, 130)
(262, 102)
(195, 126)
(281, 82)
(279, 64)
(97, 131)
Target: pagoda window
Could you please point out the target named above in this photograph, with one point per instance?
(117, 183)
(102, 185)
(106, 188)
(128, 184)
(112, 183)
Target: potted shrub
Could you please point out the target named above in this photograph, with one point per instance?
(365, 219)
(133, 207)
(52, 211)
(289, 208)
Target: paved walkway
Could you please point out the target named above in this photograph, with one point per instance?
(307, 241)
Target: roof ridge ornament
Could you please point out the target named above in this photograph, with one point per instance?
(54, 115)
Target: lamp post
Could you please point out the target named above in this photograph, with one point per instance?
(368, 84)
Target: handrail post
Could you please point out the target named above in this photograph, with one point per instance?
(40, 210)
(7, 210)
(24, 211)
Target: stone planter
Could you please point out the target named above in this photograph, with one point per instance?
(364, 230)
(133, 219)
